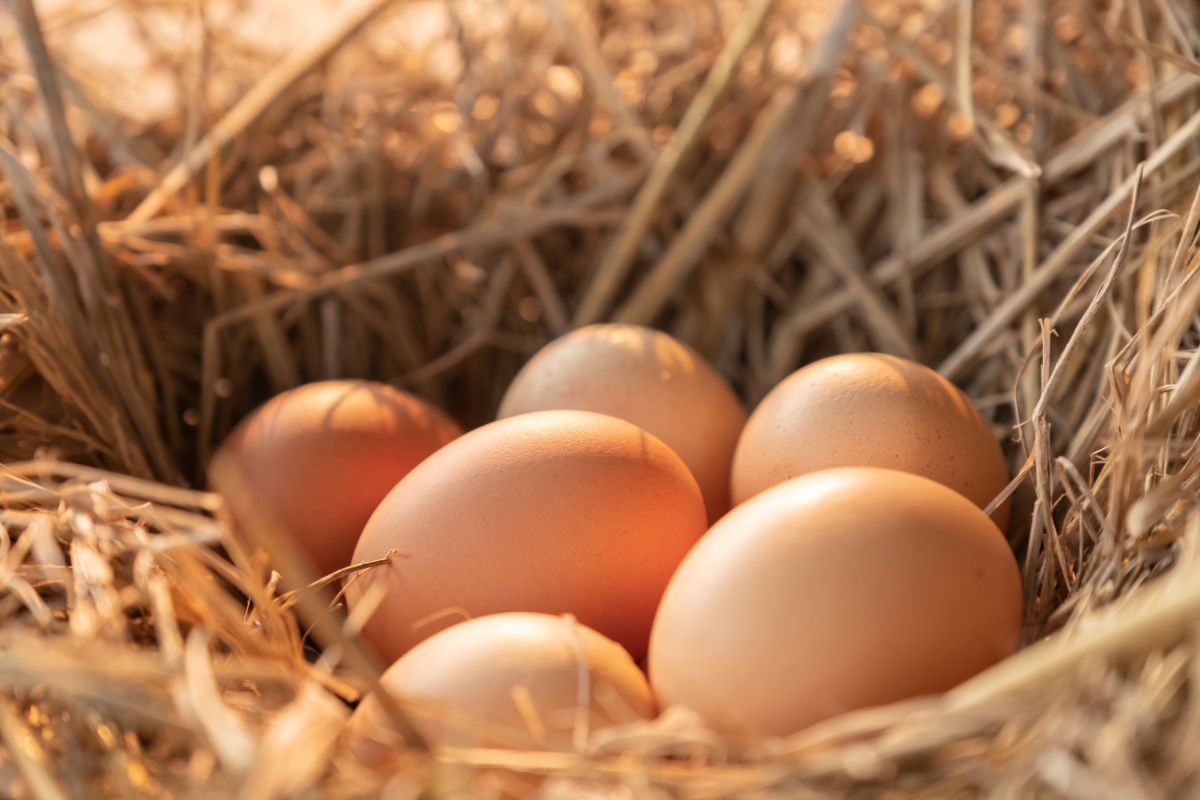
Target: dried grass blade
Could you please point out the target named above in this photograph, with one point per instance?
(619, 255)
(273, 84)
(1060, 259)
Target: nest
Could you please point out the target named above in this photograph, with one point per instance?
(201, 208)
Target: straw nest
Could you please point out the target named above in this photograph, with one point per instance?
(425, 193)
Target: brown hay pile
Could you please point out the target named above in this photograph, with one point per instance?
(425, 193)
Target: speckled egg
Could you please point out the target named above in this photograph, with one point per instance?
(515, 680)
(319, 458)
(835, 591)
(553, 511)
(648, 378)
(870, 410)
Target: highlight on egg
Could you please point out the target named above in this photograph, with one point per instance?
(831, 592)
(870, 410)
(512, 680)
(646, 377)
(552, 511)
(319, 458)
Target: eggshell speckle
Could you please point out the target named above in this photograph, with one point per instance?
(553, 511)
(870, 410)
(320, 457)
(831, 592)
(507, 680)
(648, 378)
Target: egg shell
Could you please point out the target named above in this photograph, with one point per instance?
(319, 458)
(553, 511)
(645, 377)
(512, 680)
(870, 410)
(835, 591)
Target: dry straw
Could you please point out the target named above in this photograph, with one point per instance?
(424, 192)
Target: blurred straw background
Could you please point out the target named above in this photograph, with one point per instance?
(203, 203)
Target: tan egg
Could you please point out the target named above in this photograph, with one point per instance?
(645, 377)
(320, 457)
(554, 511)
(870, 410)
(516, 680)
(835, 591)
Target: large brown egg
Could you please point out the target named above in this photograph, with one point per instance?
(648, 378)
(836, 591)
(516, 680)
(554, 511)
(870, 410)
(320, 457)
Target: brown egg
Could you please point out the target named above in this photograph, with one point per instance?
(645, 377)
(836, 591)
(554, 511)
(870, 410)
(320, 457)
(516, 680)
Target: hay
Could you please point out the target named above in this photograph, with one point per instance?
(424, 193)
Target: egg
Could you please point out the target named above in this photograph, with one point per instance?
(553, 511)
(835, 591)
(870, 410)
(648, 378)
(320, 458)
(513, 680)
